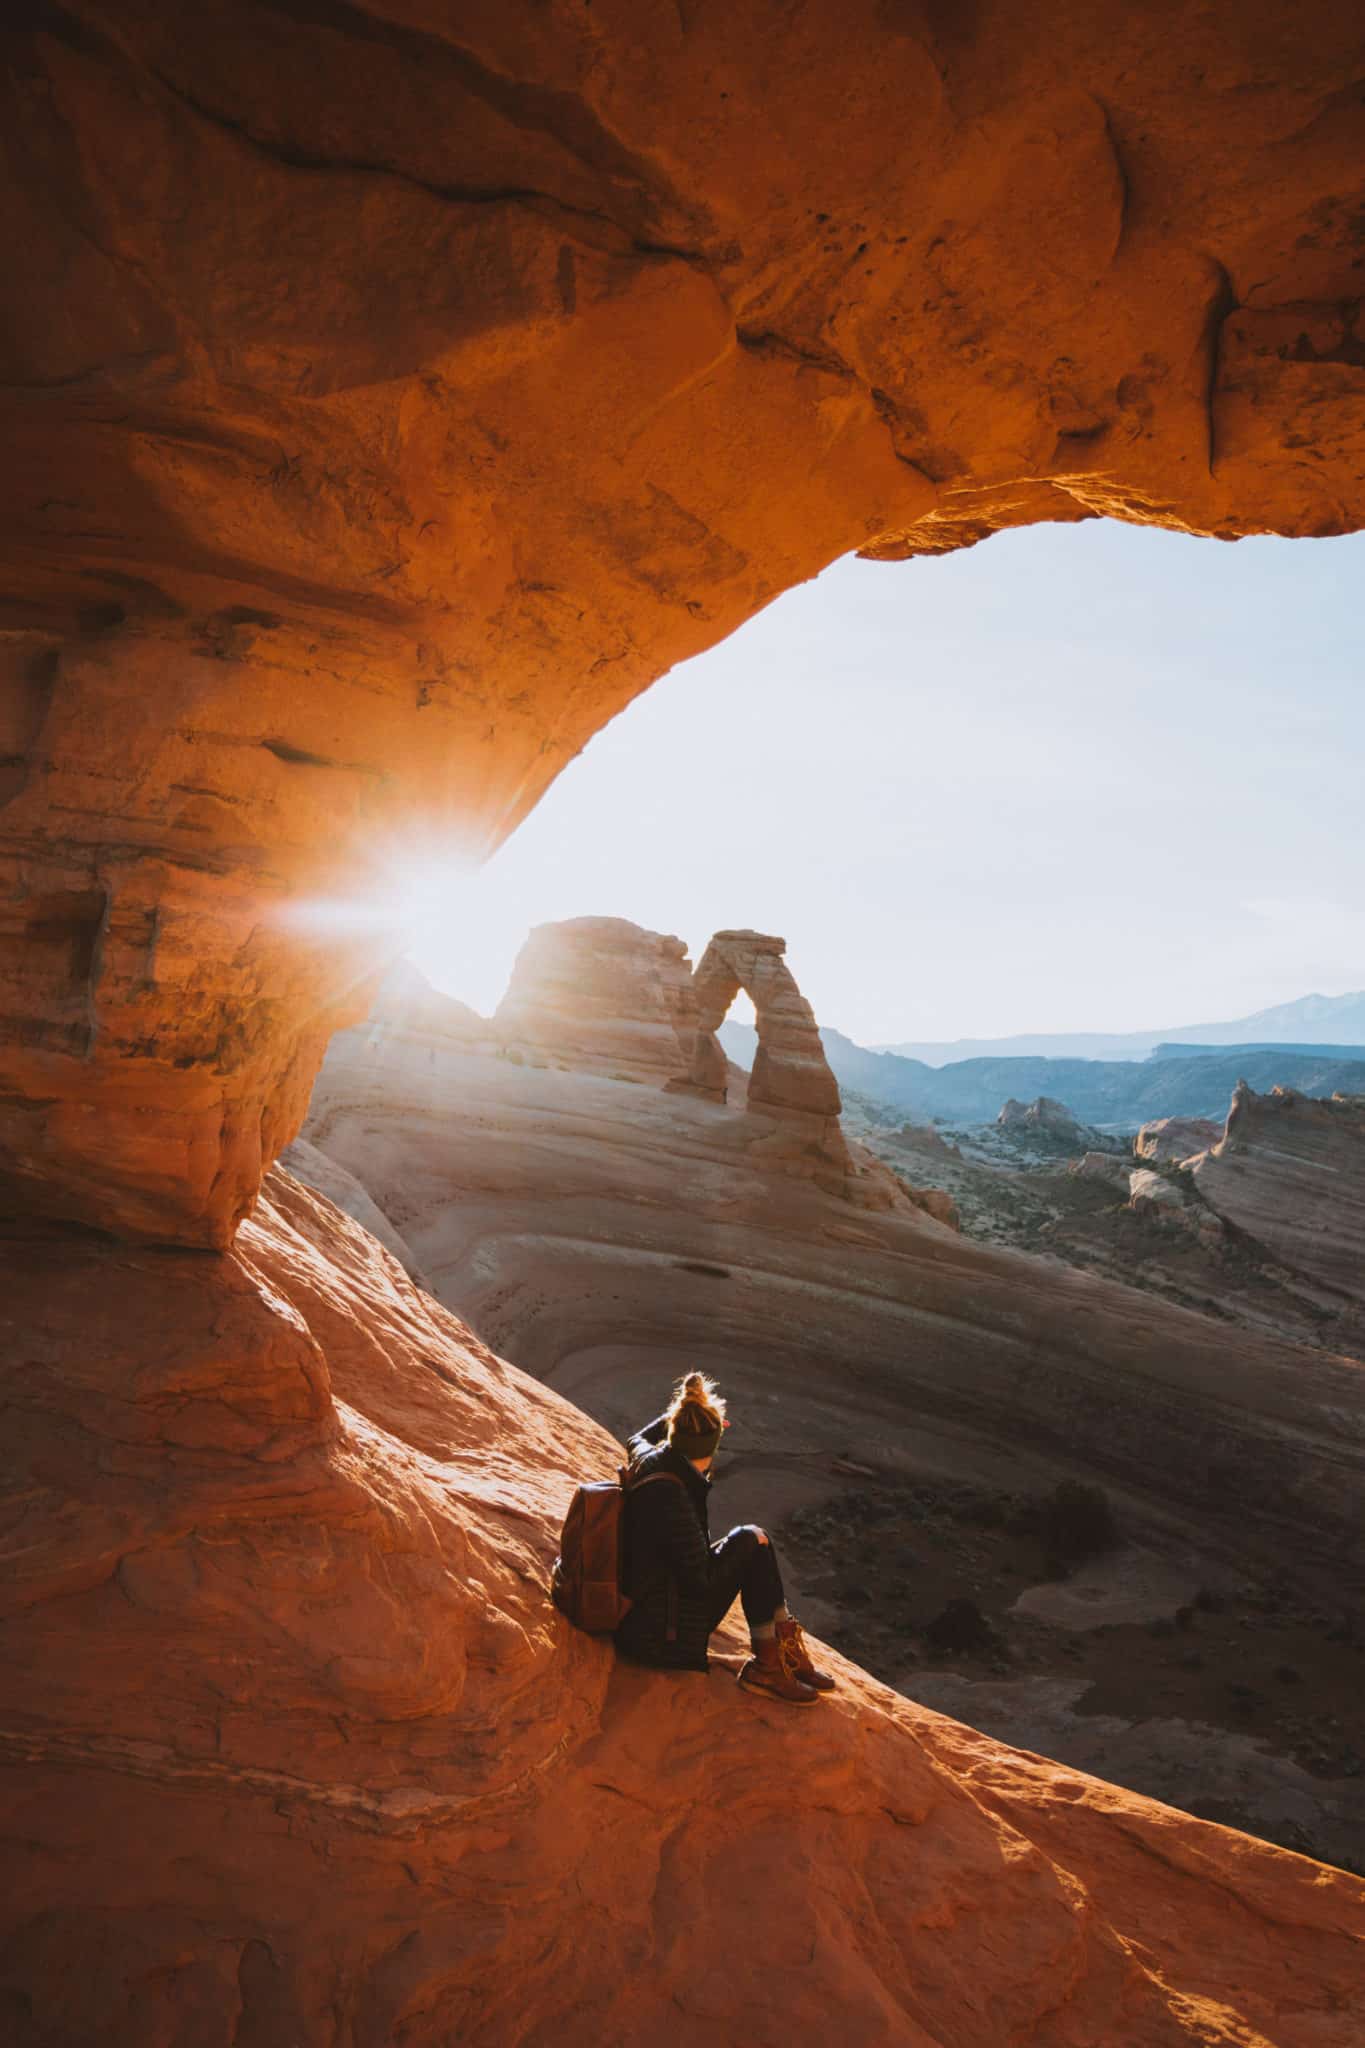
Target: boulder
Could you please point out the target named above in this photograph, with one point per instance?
(935, 1202)
(1151, 1193)
(1176, 1138)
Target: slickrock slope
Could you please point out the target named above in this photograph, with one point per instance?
(1290, 1172)
(389, 394)
(610, 1236)
(296, 1752)
(326, 1177)
(605, 995)
(605, 1234)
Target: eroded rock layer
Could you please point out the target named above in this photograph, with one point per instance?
(603, 994)
(607, 1235)
(349, 1776)
(790, 1071)
(1290, 1172)
(389, 394)
(1176, 1138)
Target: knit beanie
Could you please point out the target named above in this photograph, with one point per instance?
(694, 1432)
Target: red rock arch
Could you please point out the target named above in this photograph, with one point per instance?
(790, 1072)
(386, 403)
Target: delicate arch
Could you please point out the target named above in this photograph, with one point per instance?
(790, 1072)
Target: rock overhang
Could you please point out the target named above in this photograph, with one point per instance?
(388, 404)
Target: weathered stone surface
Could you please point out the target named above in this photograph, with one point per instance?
(1045, 1122)
(604, 1235)
(1152, 1195)
(327, 1176)
(387, 398)
(1151, 1191)
(603, 994)
(1102, 1166)
(790, 1070)
(1176, 1137)
(1289, 1170)
(293, 1744)
(936, 1203)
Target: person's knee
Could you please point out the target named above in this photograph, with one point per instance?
(753, 1535)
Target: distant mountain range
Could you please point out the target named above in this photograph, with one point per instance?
(1310, 1021)
(1119, 1094)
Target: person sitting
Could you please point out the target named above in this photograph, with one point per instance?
(681, 1584)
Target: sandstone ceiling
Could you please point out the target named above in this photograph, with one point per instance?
(391, 391)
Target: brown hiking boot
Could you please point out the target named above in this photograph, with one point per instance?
(769, 1671)
(790, 1632)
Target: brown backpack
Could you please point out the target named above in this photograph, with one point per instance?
(586, 1581)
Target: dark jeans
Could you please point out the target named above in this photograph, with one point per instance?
(741, 1564)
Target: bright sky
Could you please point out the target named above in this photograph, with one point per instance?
(1077, 778)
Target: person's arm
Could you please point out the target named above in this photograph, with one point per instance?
(645, 1439)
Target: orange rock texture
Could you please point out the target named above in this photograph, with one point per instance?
(294, 1750)
(390, 393)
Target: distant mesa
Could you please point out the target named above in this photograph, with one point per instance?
(1109, 1095)
(1313, 1023)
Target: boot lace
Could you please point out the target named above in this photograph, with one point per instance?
(792, 1649)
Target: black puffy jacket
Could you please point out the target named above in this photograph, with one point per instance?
(668, 1556)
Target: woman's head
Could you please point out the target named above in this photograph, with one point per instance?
(696, 1417)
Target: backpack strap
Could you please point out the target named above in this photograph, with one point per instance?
(634, 1485)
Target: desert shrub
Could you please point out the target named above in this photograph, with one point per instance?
(1077, 1520)
(960, 1626)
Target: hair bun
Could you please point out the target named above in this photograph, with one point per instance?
(697, 1410)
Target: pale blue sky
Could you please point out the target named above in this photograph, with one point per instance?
(1077, 778)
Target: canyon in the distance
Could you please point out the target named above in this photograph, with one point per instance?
(946, 1356)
